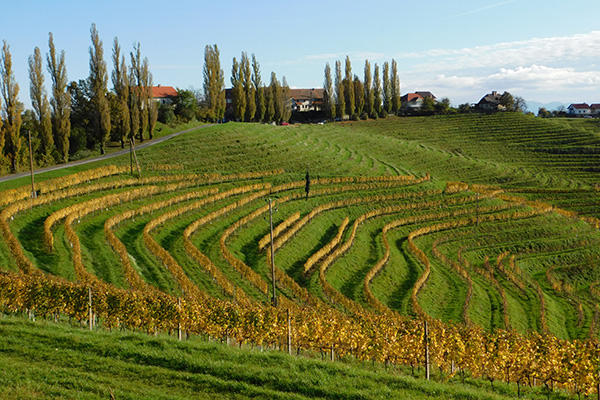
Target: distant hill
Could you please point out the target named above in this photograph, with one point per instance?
(534, 106)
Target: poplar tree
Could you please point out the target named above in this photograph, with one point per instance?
(286, 109)
(98, 83)
(349, 89)
(139, 81)
(387, 88)
(368, 83)
(395, 83)
(238, 96)
(260, 93)
(152, 108)
(249, 88)
(12, 109)
(376, 91)
(359, 95)
(275, 89)
(61, 100)
(214, 84)
(120, 80)
(41, 107)
(269, 104)
(328, 94)
(340, 100)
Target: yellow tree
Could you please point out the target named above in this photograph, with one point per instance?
(11, 112)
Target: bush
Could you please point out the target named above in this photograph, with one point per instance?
(364, 116)
(354, 117)
(373, 115)
(166, 114)
(383, 114)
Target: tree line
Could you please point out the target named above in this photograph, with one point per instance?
(346, 96)
(79, 116)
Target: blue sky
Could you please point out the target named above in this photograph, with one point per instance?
(541, 50)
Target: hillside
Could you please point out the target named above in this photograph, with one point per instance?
(474, 223)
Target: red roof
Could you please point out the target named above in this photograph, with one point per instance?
(580, 106)
(595, 106)
(163, 91)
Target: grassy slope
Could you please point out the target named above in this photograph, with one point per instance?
(511, 150)
(48, 360)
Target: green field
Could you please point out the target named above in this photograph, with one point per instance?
(519, 248)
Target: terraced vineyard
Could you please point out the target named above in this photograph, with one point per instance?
(485, 227)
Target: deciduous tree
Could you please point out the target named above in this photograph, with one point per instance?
(140, 93)
(387, 88)
(238, 97)
(349, 88)
(214, 84)
(120, 80)
(340, 99)
(376, 92)
(260, 93)
(328, 94)
(368, 84)
(395, 83)
(41, 107)
(11, 112)
(249, 88)
(61, 100)
(98, 83)
(359, 95)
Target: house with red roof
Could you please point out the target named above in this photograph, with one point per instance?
(414, 100)
(164, 94)
(595, 109)
(579, 110)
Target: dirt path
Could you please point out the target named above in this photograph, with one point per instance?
(102, 157)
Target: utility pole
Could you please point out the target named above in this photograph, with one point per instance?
(33, 193)
(272, 253)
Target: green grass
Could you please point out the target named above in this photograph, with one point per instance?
(49, 360)
(552, 161)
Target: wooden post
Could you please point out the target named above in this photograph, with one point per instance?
(33, 193)
(426, 351)
(289, 321)
(90, 304)
(274, 300)
(179, 318)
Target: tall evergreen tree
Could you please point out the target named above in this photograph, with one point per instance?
(41, 107)
(387, 88)
(99, 81)
(12, 109)
(395, 83)
(214, 84)
(61, 100)
(238, 96)
(249, 88)
(260, 93)
(328, 94)
(340, 100)
(368, 83)
(376, 91)
(349, 89)
(359, 95)
(120, 80)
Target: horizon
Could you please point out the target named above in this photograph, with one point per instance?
(543, 52)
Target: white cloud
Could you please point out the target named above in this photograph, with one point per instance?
(538, 50)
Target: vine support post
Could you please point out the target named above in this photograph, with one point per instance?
(289, 337)
(33, 192)
(274, 300)
(91, 323)
(426, 350)
(179, 319)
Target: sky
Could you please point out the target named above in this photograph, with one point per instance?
(541, 50)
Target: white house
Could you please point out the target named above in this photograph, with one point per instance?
(579, 110)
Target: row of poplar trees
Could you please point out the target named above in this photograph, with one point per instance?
(252, 100)
(125, 113)
(346, 95)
